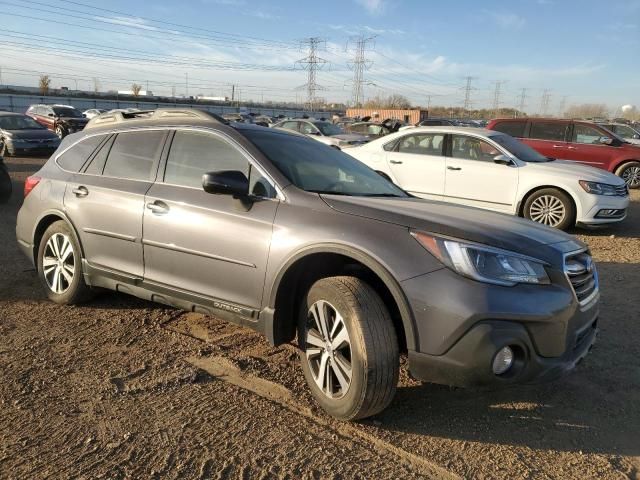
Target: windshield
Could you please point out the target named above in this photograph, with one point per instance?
(11, 122)
(625, 132)
(328, 129)
(519, 149)
(315, 167)
(67, 112)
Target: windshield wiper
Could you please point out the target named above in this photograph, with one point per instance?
(383, 195)
(328, 192)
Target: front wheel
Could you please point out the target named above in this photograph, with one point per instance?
(348, 348)
(60, 266)
(630, 173)
(550, 207)
(60, 131)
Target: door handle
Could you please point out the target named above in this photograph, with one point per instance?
(80, 191)
(395, 162)
(454, 168)
(558, 146)
(572, 148)
(158, 207)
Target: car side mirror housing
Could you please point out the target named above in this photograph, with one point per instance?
(636, 137)
(50, 115)
(226, 182)
(606, 140)
(502, 160)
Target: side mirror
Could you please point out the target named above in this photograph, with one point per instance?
(606, 140)
(502, 160)
(50, 115)
(636, 137)
(226, 182)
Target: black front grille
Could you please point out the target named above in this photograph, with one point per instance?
(622, 190)
(581, 272)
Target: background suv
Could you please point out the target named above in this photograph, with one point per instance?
(61, 119)
(585, 142)
(287, 236)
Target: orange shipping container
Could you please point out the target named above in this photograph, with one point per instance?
(379, 114)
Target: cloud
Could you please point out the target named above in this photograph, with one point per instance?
(373, 7)
(357, 29)
(508, 21)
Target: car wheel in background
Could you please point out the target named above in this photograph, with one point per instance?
(60, 265)
(348, 348)
(6, 186)
(60, 131)
(630, 173)
(550, 207)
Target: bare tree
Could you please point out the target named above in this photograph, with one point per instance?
(136, 89)
(392, 101)
(587, 110)
(44, 83)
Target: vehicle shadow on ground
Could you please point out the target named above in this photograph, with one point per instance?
(593, 409)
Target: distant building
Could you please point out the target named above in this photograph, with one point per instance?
(379, 114)
(203, 98)
(141, 93)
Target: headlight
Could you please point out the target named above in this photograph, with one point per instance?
(484, 263)
(598, 188)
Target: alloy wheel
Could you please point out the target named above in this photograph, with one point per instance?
(59, 132)
(631, 176)
(328, 349)
(548, 210)
(58, 263)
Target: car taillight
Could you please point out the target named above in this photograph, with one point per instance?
(30, 184)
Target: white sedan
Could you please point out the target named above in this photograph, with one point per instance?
(492, 170)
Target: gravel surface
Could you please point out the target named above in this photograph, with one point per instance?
(121, 388)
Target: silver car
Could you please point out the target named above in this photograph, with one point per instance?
(287, 236)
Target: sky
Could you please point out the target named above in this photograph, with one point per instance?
(578, 51)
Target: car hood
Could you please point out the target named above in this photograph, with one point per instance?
(31, 134)
(467, 223)
(351, 137)
(575, 170)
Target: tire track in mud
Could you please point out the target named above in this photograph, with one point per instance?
(222, 368)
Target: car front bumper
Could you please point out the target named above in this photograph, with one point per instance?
(32, 148)
(464, 323)
(592, 211)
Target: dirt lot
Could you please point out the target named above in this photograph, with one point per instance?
(120, 388)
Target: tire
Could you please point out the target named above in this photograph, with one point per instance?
(65, 283)
(370, 348)
(630, 173)
(4, 150)
(6, 185)
(551, 207)
(60, 131)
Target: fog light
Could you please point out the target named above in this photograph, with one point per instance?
(503, 360)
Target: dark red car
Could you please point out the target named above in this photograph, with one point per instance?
(576, 140)
(61, 119)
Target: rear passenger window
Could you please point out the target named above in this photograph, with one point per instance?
(99, 159)
(193, 154)
(423, 144)
(73, 159)
(133, 154)
(548, 131)
(515, 129)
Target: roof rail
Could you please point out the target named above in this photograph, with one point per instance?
(115, 118)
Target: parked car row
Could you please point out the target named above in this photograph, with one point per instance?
(284, 234)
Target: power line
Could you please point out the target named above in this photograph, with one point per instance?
(523, 97)
(496, 96)
(312, 63)
(544, 102)
(562, 105)
(467, 92)
(359, 65)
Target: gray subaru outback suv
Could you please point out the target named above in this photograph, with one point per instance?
(287, 236)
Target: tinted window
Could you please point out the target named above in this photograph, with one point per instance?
(472, 148)
(548, 131)
(19, 122)
(99, 159)
(132, 155)
(193, 154)
(74, 158)
(422, 144)
(315, 167)
(515, 129)
(67, 112)
(588, 134)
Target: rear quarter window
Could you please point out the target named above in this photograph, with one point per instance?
(73, 159)
(515, 129)
(133, 154)
(548, 131)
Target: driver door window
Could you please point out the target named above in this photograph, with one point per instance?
(308, 128)
(472, 148)
(588, 135)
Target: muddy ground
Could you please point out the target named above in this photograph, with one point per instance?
(121, 388)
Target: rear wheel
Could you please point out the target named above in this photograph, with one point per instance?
(60, 131)
(630, 173)
(349, 350)
(60, 266)
(550, 207)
